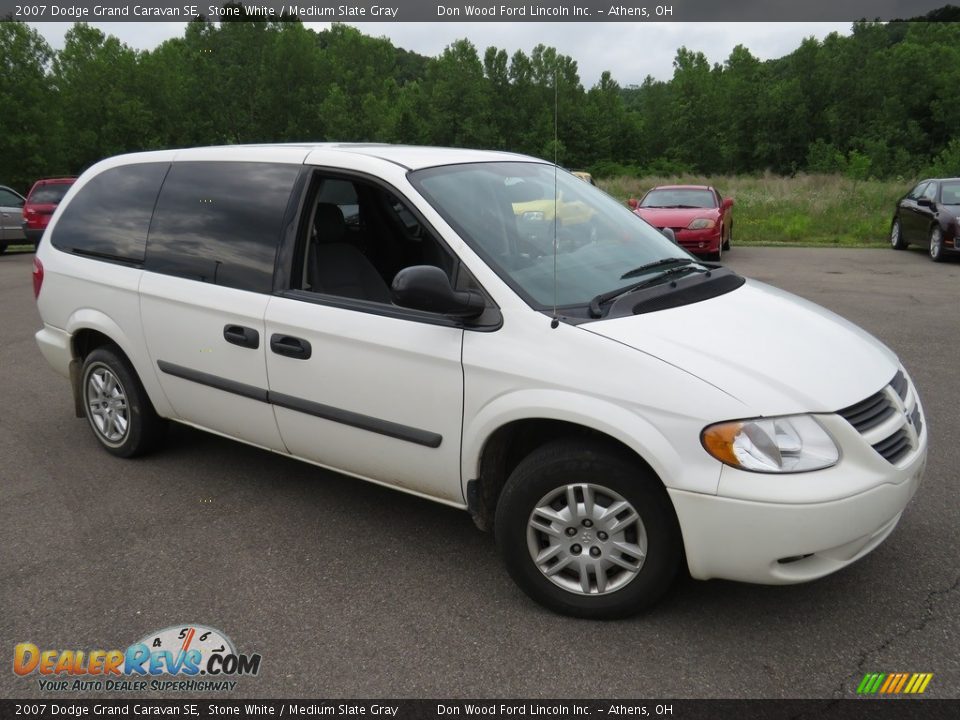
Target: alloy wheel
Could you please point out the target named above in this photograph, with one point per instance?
(107, 405)
(586, 539)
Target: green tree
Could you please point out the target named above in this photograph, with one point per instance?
(30, 135)
(98, 99)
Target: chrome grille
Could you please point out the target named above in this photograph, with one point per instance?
(890, 420)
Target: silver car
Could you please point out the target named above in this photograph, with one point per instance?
(11, 218)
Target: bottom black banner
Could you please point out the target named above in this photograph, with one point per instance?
(853, 709)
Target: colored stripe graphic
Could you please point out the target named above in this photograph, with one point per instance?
(894, 683)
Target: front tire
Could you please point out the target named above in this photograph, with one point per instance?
(586, 530)
(896, 236)
(726, 243)
(718, 255)
(117, 407)
(936, 244)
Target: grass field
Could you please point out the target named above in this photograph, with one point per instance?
(819, 210)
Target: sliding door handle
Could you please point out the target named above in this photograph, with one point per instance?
(290, 346)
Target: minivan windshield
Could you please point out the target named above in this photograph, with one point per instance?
(510, 212)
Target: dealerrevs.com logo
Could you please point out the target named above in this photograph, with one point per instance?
(188, 657)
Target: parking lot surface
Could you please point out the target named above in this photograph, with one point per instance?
(347, 589)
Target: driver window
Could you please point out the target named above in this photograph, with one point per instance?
(359, 235)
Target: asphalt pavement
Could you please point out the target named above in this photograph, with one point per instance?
(347, 589)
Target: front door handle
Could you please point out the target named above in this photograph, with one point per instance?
(290, 346)
(242, 336)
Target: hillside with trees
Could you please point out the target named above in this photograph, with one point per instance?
(880, 102)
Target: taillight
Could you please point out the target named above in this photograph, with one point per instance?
(37, 276)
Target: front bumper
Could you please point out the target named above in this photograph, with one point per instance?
(698, 241)
(811, 529)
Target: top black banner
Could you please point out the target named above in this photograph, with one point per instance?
(639, 11)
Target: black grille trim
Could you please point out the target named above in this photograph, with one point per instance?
(917, 420)
(894, 447)
(899, 384)
(868, 413)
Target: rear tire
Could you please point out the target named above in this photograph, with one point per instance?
(116, 405)
(587, 530)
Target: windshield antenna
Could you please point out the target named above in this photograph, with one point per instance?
(555, 322)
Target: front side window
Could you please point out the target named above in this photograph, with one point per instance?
(513, 214)
(917, 191)
(109, 216)
(930, 192)
(220, 222)
(358, 236)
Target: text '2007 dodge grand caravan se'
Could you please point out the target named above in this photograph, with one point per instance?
(392, 313)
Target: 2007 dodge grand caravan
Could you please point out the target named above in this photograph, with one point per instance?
(607, 403)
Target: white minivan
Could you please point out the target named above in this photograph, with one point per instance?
(487, 331)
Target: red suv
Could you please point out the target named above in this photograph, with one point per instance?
(42, 200)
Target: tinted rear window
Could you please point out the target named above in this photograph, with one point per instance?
(49, 194)
(110, 215)
(220, 222)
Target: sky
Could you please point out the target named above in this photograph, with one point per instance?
(630, 51)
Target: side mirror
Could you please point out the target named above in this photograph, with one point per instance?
(632, 203)
(727, 203)
(426, 287)
(926, 202)
(669, 234)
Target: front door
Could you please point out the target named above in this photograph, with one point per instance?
(368, 394)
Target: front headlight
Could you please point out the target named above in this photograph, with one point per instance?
(771, 445)
(701, 224)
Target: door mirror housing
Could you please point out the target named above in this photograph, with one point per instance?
(926, 202)
(633, 203)
(727, 203)
(426, 287)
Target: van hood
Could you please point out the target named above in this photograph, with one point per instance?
(775, 352)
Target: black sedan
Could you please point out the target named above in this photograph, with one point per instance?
(929, 215)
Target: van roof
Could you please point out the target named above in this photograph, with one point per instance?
(410, 157)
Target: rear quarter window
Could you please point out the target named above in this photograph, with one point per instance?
(220, 222)
(110, 214)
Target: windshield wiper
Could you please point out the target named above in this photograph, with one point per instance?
(603, 298)
(654, 265)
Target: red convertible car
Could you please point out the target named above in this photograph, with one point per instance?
(701, 219)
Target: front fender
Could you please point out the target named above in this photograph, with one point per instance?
(685, 466)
